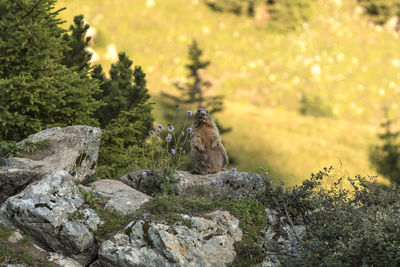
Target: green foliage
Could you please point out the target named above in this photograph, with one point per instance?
(125, 89)
(8, 149)
(36, 90)
(4, 232)
(4, 253)
(126, 116)
(358, 227)
(386, 156)
(315, 106)
(237, 7)
(381, 10)
(77, 54)
(250, 212)
(289, 14)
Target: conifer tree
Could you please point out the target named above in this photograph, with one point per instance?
(386, 156)
(125, 117)
(193, 92)
(125, 89)
(36, 90)
(77, 54)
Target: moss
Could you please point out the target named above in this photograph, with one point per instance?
(4, 252)
(4, 232)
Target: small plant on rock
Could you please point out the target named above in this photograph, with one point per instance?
(165, 150)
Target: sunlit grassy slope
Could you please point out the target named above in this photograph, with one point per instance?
(350, 63)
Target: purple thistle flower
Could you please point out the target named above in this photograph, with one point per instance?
(212, 181)
(135, 161)
(189, 130)
(151, 133)
(190, 113)
(159, 127)
(183, 152)
(220, 182)
(183, 133)
(233, 170)
(159, 139)
(173, 151)
(166, 178)
(144, 174)
(146, 215)
(170, 128)
(168, 138)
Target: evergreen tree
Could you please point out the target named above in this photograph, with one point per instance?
(125, 117)
(77, 55)
(386, 157)
(124, 90)
(36, 90)
(193, 92)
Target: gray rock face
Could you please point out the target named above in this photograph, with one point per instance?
(208, 242)
(43, 211)
(73, 149)
(288, 240)
(120, 197)
(224, 184)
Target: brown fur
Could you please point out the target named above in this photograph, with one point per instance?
(207, 152)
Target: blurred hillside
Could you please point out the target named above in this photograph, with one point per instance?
(339, 59)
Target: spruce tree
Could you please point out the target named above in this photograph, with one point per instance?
(125, 89)
(125, 116)
(77, 54)
(386, 156)
(36, 90)
(193, 92)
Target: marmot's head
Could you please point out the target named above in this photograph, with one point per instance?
(202, 116)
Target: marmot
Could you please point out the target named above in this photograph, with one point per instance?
(207, 152)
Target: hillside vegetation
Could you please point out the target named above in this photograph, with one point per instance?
(338, 59)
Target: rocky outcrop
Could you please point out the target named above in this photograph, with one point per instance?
(208, 242)
(225, 184)
(73, 149)
(119, 197)
(282, 235)
(44, 210)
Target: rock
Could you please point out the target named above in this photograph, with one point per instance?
(208, 242)
(43, 211)
(63, 261)
(15, 237)
(392, 24)
(225, 184)
(282, 233)
(73, 149)
(120, 197)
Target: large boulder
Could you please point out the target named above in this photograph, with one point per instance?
(225, 184)
(208, 242)
(45, 211)
(73, 149)
(118, 196)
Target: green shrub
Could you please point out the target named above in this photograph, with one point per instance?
(358, 227)
(386, 155)
(10, 149)
(381, 10)
(315, 106)
(237, 7)
(288, 15)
